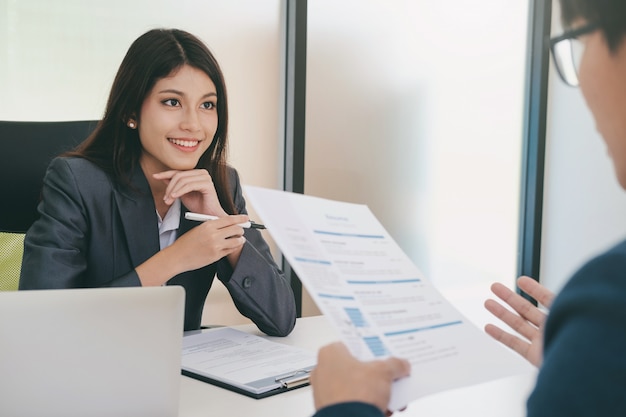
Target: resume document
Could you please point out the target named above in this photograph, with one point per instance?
(375, 296)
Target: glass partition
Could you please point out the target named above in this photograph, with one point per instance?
(414, 107)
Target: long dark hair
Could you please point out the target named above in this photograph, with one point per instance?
(609, 15)
(115, 147)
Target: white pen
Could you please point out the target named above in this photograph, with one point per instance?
(204, 217)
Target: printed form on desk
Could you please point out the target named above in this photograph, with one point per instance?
(245, 363)
(375, 296)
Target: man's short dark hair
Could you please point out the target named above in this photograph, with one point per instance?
(609, 15)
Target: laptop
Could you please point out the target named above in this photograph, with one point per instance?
(91, 352)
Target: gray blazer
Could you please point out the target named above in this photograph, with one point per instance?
(93, 232)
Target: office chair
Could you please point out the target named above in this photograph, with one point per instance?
(27, 149)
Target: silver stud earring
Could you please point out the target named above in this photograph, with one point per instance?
(131, 124)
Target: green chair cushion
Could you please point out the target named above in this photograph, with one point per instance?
(11, 250)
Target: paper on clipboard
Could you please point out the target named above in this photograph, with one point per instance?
(378, 300)
(245, 363)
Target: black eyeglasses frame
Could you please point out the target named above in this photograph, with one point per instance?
(569, 34)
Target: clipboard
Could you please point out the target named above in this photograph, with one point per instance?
(286, 384)
(245, 363)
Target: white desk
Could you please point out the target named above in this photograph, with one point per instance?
(505, 397)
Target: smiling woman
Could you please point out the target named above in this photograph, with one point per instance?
(112, 212)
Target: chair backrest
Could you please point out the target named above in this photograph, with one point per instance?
(27, 149)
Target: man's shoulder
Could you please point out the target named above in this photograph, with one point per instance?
(597, 288)
(606, 268)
